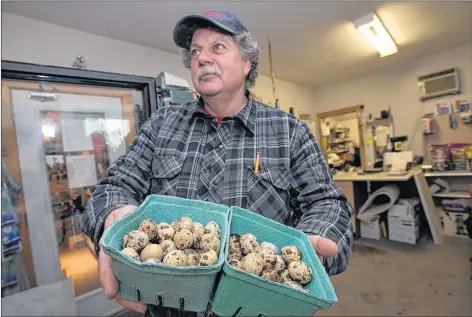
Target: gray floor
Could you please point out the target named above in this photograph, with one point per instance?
(391, 279)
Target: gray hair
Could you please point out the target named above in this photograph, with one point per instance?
(248, 48)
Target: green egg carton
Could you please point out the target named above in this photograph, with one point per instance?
(243, 294)
(188, 288)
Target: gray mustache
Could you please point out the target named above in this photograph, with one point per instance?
(208, 70)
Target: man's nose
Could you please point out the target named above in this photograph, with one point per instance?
(205, 57)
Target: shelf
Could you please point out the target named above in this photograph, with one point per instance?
(448, 174)
(338, 142)
(380, 122)
(453, 194)
(340, 152)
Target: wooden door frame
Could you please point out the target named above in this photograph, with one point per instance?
(357, 109)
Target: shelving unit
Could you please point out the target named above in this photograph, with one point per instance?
(453, 194)
(448, 174)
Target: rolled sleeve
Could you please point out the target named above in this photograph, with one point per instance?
(127, 181)
(324, 209)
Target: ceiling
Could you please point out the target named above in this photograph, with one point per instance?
(313, 43)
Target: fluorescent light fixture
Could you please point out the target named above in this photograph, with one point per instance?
(372, 28)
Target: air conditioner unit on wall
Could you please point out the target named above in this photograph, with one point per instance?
(445, 82)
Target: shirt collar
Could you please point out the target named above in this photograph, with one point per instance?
(247, 115)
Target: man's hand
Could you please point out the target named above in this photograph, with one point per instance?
(107, 277)
(323, 246)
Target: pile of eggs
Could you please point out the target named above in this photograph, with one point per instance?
(181, 243)
(264, 260)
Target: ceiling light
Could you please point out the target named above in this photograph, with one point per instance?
(372, 28)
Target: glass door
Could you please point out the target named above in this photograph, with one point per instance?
(65, 140)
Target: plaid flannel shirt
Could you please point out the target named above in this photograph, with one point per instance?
(182, 151)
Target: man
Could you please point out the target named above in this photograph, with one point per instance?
(206, 150)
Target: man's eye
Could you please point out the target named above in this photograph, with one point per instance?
(194, 52)
(219, 47)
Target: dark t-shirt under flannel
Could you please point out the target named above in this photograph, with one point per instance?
(182, 151)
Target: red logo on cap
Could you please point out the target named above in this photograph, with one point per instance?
(215, 14)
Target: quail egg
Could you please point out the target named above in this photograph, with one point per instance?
(176, 258)
(210, 241)
(249, 244)
(268, 246)
(212, 227)
(152, 251)
(150, 228)
(184, 223)
(208, 257)
(236, 263)
(193, 257)
(183, 239)
(291, 253)
(253, 263)
(198, 228)
(285, 276)
(153, 261)
(295, 285)
(167, 246)
(235, 253)
(165, 231)
(233, 238)
(136, 240)
(280, 264)
(131, 253)
(270, 260)
(197, 240)
(300, 272)
(271, 275)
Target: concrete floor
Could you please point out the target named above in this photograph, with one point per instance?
(386, 278)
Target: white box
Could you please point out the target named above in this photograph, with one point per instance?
(403, 221)
(454, 223)
(371, 230)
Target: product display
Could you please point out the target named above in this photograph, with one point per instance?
(181, 243)
(245, 253)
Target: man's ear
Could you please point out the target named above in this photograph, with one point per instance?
(247, 67)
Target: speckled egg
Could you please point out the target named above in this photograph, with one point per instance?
(249, 244)
(269, 247)
(193, 257)
(233, 238)
(176, 258)
(149, 227)
(183, 239)
(270, 260)
(235, 253)
(136, 240)
(271, 275)
(291, 253)
(153, 261)
(280, 264)
(152, 251)
(236, 263)
(208, 257)
(198, 228)
(300, 272)
(167, 246)
(210, 242)
(184, 223)
(131, 253)
(253, 263)
(197, 240)
(212, 227)
(285, 276)
(295, 285)
(165, 231)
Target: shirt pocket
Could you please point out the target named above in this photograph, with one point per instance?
(268, 192)
(166, 170)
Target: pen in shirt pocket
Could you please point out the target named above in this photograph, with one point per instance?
(256, 164)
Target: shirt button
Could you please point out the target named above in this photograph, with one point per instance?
(215, 182)
(220, 146)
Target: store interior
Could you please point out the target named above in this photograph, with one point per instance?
(393, 122)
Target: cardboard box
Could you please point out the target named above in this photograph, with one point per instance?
(371, 230)
(454, 223)
(403, 221)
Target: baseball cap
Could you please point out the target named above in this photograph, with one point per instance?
(225, 20)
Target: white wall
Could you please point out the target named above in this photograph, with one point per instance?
(397, 87)
(33, 41)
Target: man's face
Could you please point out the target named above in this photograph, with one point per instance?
(216, 63)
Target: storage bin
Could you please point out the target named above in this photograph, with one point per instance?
(242, 294)
(158, 283)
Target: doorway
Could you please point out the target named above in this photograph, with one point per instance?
(59, 140)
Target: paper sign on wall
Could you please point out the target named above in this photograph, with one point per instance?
(81, 171)
(74, 137)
